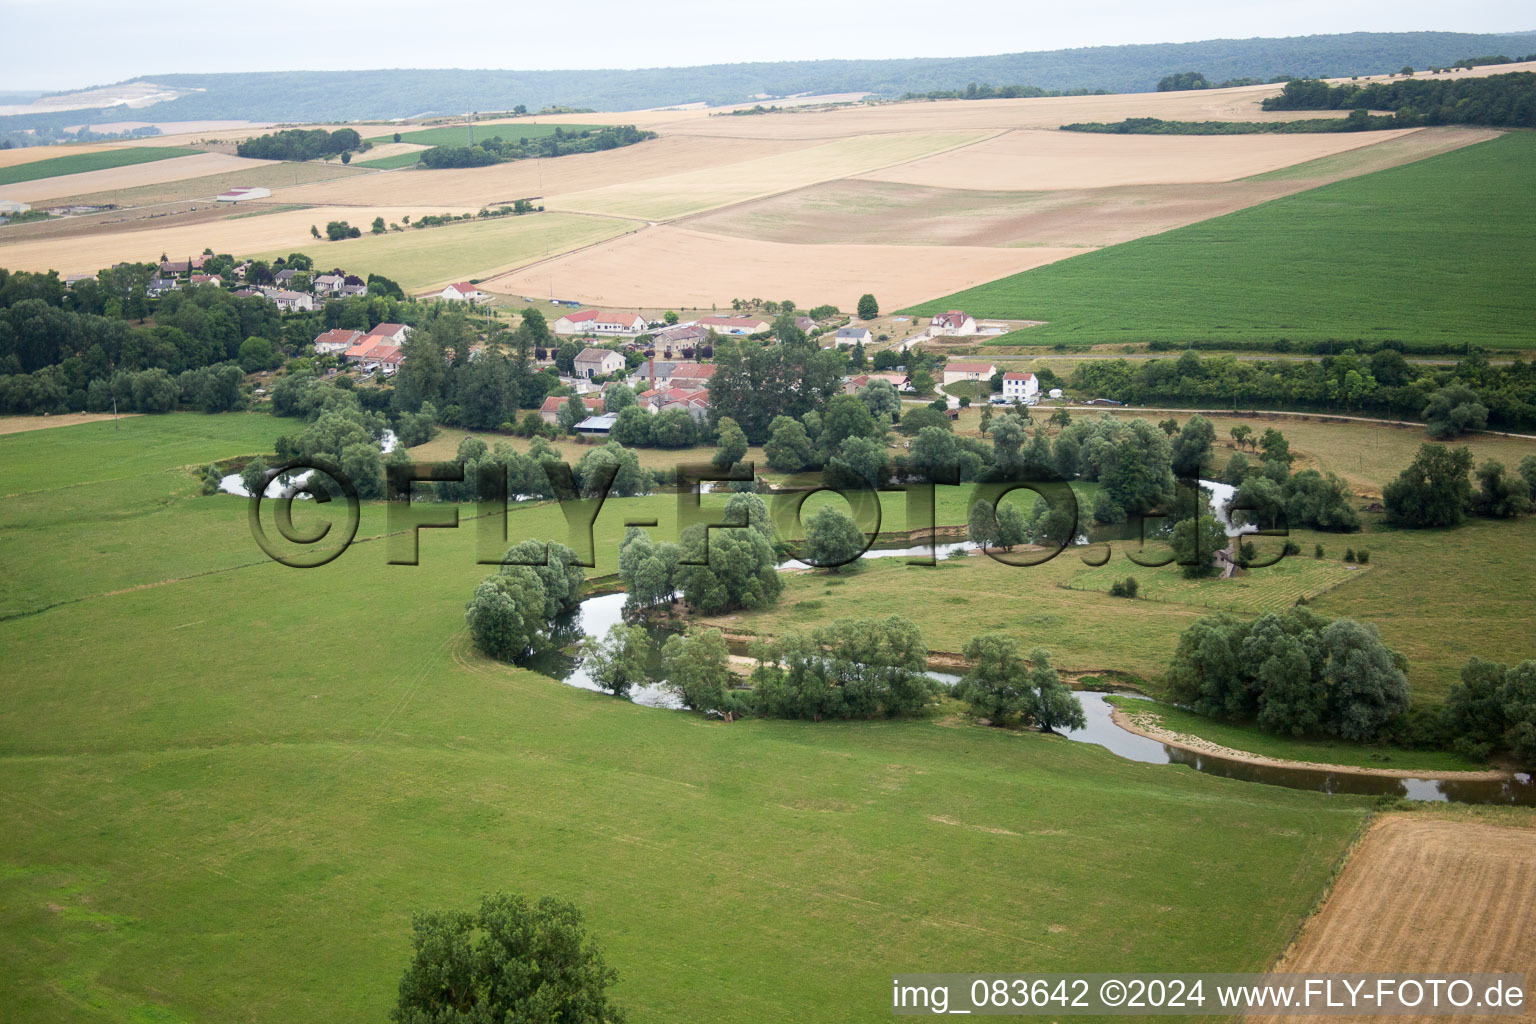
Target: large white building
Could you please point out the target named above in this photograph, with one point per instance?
(1020, 387)
(955, 322)
(956, 372)
(590, 321)
(12, 206)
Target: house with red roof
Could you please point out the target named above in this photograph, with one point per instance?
(395, 334)
(954, 322)
(1020, 387)
(339, 340)
(549, 412)
(461, 291)
(590, 321)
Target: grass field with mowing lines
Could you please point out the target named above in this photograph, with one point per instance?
(227, 794)
(99, 161)
(387, 163)
(1416, 253)
(1271, 589)
(1317, 749)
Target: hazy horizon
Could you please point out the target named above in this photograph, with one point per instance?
(109, 43)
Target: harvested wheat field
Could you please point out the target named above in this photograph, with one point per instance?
(677, 267)
(473, 187)
(174, 169)
(1033, 160)
(695, 190)
(1427, 894)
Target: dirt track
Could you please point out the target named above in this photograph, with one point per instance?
(1425, 894)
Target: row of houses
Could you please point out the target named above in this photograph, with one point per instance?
(379, 349)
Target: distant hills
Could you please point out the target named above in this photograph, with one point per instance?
(304, 96)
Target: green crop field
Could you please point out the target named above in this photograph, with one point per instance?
(458, 134)
(227, 785)
(1427, 252)
(100, 160)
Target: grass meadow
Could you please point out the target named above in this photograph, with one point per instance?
(100, 160)
(225, 785)
(1419, 253)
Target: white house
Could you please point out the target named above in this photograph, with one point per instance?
(331, 342)
(289, 301)
(1020, 387)
(329, 284)
(955, 322)
(590, 321)
(596, 362)
(848, 336)
(461, 291)
(956, 372)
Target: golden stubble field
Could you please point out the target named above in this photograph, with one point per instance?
(153, 173)
(703, 271)
(1425, 894)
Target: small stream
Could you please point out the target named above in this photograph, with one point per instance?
(596, 615)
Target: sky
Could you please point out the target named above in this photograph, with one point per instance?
(95, 42)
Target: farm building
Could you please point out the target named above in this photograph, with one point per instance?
(1021, 387)
(595, 362)
(956, 372)
(590, 321)
(11, 206)
(240, 195)
(549, 412)
(597, 425)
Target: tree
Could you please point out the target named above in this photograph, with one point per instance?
(852, 668)
(674, 428)
(618, 661)
(1433, 491)
(378, 226)
(346, 158)
(1054, 706)
(1500, 495)
(1367, 686)
(881, 398)
(632, 428)
(1275, 447)
(1318, 501)
(859, 461)
(981, 525)
(506, 616)
(1241, 434)
(670, 316)
(789, 450)
(1193, 445)
(618, 397)
(1453, 411)
(921, 380)
(868, 308)
(1195, 543)
(740, 570)
(832, 539)
(997, 687)
(572, 412)
(697, 669)
(314, 231)
(732, 444)
(509, 961)
(559, 570)
(254, 476)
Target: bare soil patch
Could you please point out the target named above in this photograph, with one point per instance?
(1426, 894)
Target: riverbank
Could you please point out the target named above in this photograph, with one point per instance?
(1148, 725)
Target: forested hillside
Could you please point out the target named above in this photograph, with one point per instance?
(352, 95)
